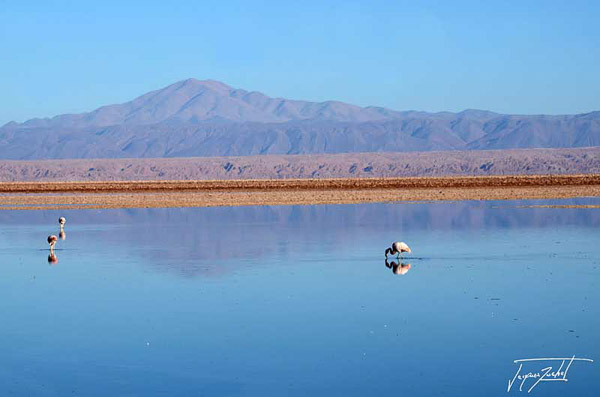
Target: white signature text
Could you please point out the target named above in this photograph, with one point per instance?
(546, 374)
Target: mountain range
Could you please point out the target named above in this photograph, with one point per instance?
(209, 118)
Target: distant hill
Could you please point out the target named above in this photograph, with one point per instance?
(209, 118)
(350, 165)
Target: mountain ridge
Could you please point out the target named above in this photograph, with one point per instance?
(210, 118)
(189, 93)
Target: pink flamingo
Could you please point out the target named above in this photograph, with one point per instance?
(397, 249)
(52, 239)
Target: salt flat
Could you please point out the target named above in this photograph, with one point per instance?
(146, 194)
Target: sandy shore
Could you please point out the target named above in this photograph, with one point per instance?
(147, 194)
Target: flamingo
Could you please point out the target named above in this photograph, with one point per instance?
(397, 249)
(52, 239)
(62, 222)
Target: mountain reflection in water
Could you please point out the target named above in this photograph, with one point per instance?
(195, 241)
(293, 301)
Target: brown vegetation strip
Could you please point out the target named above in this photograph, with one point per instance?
(302, 184)
(80, 195)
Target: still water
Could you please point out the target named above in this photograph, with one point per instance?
(298, 301)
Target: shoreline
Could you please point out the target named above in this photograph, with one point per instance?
(210, 193)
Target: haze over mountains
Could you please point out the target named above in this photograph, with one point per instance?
(208, 118)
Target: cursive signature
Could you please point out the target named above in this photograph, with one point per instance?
(546, 374)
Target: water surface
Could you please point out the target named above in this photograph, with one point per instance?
(298, 300)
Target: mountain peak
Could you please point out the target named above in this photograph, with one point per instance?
(477, 113)
(209, 83)
(193, 100)
(10, 124)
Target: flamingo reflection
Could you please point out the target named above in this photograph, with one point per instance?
(398, 268)
(52, 259)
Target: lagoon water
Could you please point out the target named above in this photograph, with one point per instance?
(298, 301)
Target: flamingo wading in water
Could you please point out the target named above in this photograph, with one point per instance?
(52, 241)
(62, 233)
(397, 249)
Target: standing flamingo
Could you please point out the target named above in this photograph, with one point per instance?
(397, 249)
(62, 233)
(52, 239)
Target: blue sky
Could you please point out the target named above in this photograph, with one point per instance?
(507, 56)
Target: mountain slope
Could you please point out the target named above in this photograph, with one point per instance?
(209, 118)
(193, 100)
